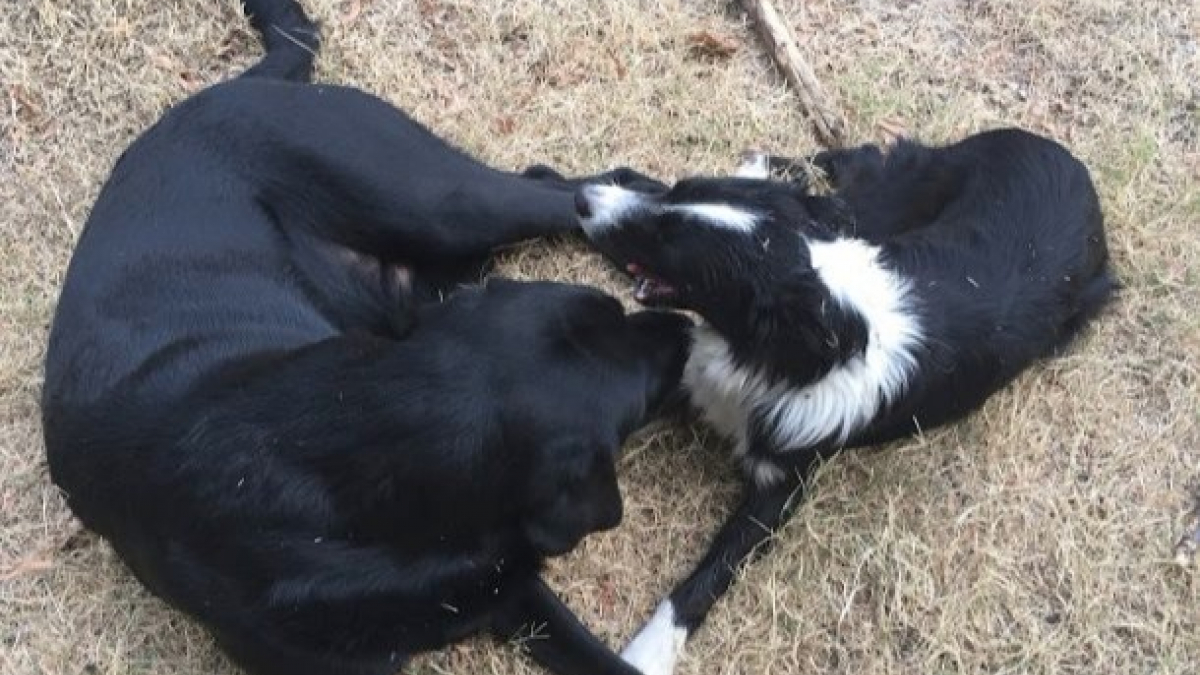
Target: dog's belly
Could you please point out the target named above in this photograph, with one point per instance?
(160, 331)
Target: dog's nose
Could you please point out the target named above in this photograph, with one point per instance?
(583, 208)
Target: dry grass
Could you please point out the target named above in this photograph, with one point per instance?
(1034, 538)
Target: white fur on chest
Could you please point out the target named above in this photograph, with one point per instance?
(721, 390)
(845, 399)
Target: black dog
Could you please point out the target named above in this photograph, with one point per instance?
(927, 281)
(250, 394)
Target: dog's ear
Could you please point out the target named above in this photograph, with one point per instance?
(594, 324)
(573, 493)
(802, 331)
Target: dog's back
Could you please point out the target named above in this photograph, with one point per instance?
(248, 394)
(927, 280)
(171, 229)
(1011, 264)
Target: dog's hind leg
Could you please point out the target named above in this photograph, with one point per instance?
(290, 37)
(877, 195)
(360, 173)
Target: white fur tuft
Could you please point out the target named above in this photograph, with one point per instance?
(718, 215)
(754, 165)
(763, 472)
(846, 398)
(723, 391)
(657, 646)
(608, 205)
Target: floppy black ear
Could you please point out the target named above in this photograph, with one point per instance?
(595, 324)
(573, 494)
(801, 331)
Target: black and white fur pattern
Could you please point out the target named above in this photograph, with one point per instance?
(925, 282)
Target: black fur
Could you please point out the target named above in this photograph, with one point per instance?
(1000, 238)
(254, 393)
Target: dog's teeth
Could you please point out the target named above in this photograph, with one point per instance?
(642, 291)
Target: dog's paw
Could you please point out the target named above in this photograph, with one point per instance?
(846, 165)
(544, 173)
(657, 647)
(755, 164)
(630, 179)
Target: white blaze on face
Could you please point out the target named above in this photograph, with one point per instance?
(724, 216)
(607, 205)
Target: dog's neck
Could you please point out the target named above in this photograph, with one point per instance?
(839, 346)
(781, 317)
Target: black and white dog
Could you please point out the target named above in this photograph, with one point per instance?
(928, 280)
(253, 393)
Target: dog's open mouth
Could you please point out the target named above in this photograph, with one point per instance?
(648, 288)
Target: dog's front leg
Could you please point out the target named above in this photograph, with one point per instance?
(765, 507)
(553, 635)
(622, 176)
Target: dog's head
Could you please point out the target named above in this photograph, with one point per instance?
(581, 375)
(572, 492)
(685, 245)
(738, 251)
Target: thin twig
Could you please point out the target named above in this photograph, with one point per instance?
(774, 32)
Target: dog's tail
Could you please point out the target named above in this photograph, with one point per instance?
(290, 37)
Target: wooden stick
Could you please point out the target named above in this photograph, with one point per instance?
(826, 117)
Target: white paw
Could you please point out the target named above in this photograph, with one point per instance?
(754, 165)
(656, 648)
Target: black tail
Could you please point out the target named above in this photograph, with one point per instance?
(290, 37)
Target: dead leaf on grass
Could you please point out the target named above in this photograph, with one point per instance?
(29, 565)
(607, 595)
(709, 45)
(892, 129)
(353, 10)
(163, 61)
(191, 81)
(27, 109)
(505, 125)
(618, 64)
(42, 559)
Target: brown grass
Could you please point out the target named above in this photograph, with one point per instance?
(1034, 538)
